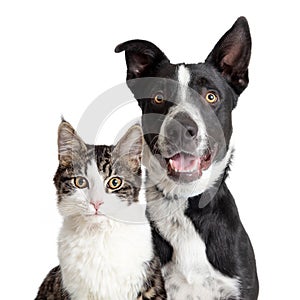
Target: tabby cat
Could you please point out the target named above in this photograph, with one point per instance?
(101, 258)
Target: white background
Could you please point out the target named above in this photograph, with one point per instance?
(57, 57)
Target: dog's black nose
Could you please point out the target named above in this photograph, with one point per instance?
(181, 130)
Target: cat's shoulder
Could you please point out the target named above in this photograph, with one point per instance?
(52, 288)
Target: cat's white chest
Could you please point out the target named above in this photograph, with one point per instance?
(189, 275)
(107, 265)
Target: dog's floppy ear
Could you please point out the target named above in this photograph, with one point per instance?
(141, 57)
(231, 55)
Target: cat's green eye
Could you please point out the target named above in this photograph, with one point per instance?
(114, 183)
(81, 182)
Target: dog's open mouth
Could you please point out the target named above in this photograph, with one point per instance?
(186, 167)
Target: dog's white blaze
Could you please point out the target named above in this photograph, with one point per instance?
(184, 105)
(97, 262)
(184, 78)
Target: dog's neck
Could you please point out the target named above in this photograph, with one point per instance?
(203, 199)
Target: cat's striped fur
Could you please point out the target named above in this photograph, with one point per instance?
(101, 258)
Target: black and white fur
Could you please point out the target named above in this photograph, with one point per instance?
(102, 256)
(198, 235)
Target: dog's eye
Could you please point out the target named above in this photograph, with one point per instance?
(114, 183)
(81, 182)
(211, 97)
(159, 98)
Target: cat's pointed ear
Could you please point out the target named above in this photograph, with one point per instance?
(231, 55)
(70, 145)
(141, 56)
(129, 148)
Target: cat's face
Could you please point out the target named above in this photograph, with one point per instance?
(94, 182)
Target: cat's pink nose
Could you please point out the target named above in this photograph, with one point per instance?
(96, 204)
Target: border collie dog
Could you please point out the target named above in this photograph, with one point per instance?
(186, 117)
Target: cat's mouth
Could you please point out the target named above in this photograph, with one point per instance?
(95, 214)
(95, 218)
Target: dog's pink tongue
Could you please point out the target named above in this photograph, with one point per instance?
(181, 162)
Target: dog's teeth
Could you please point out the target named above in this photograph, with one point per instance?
(172, 164)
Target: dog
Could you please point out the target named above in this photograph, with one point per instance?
(186, 118)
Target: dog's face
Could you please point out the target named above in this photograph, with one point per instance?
(187, 109)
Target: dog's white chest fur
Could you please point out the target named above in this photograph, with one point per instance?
(189, 275)
(100, 264)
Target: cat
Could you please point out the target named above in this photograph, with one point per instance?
(101, 258)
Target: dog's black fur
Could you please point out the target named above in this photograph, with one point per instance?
(225, 70)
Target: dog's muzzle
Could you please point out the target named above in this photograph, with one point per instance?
(180, 149)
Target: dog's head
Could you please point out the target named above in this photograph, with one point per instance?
(187, 109)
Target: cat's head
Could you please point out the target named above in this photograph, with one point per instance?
(93, 181)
